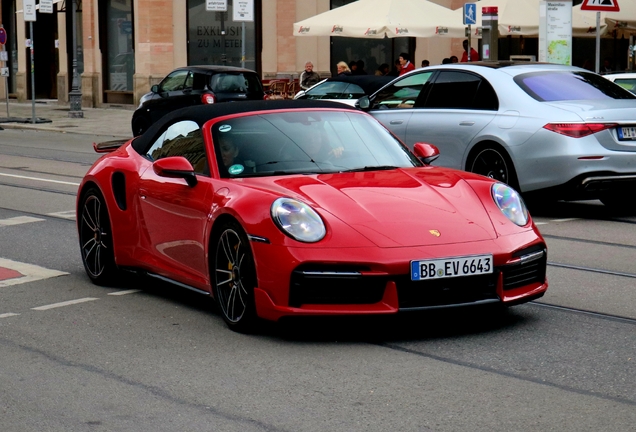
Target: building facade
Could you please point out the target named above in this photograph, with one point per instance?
(126, 46)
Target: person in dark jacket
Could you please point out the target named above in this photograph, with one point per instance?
(308, 77)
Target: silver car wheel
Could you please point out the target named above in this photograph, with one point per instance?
(233, 277)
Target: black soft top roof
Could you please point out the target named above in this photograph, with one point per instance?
(202, 113)
(369, 83)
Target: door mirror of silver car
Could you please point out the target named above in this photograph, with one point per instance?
(175, 167)
(154, 88)
(363, 103)
(427, 153)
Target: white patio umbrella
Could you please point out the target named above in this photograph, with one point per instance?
(376, 19)
(521, 18)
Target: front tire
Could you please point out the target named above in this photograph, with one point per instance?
(96, 240)
(234, 278)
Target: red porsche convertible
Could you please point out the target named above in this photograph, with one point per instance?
(280, 208)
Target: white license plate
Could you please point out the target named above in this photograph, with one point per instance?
(451, 267)
(627, 133)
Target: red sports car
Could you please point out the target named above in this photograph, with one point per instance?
(280, 208)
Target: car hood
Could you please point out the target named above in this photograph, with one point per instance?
(396, 208)
(604, 110)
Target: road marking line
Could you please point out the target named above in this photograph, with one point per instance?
(541, 223)
(18, 220)
(69, 214)
(62, 304)
(7, 315)
(118, 293)
(564, 220)
(31, 272)
(39, 179)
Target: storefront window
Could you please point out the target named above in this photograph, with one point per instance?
(214, 38)
(121, 59)
(373, 52)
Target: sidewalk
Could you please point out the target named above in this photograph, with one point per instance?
(113, 122)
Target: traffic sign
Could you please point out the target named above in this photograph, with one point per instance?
(470, 13)
(46, 6)
(600, 5)
(29, 10)
(3, 36)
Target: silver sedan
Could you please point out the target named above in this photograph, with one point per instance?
(555, 131)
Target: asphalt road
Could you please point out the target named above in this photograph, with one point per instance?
(146, 356)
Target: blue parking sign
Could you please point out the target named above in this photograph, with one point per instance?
(470, 13)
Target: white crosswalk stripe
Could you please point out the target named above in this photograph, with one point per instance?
(69, 214)
(18, 220)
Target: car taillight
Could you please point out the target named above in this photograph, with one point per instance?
(208, 98)
(578, 130)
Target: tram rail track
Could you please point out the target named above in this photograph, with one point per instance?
(601, 315)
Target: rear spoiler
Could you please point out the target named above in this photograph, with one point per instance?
(109, 146)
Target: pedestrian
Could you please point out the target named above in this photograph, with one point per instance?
(453, 59)
(343, 69)
(405, 63)
(607, 66)
(383, 70)
(308, 77)
(474, 55)
(396, 68)
(426, 63)
(353, 67)
(360, 68)
(446, 61)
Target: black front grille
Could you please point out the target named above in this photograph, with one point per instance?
(446, 292)
(334, 286)
(526, 272)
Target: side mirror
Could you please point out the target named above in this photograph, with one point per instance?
(154, 88)
(363, 103)
(175, 167)
(427, 153)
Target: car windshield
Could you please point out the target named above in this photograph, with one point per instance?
(335, 90)
(306, 142)
(552, 86)
(235, 83)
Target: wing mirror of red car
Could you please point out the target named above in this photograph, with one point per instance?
(175, 167)
(427, 153)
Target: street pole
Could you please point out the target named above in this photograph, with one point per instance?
(75, 95)
(243, 44)
(32, 75)
(598, 42)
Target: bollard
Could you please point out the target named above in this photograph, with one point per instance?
(490, 33)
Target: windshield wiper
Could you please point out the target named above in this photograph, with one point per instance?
(372, 168)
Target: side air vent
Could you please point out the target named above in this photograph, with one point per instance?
(119, 189)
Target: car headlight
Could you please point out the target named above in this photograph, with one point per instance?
(510, 203)
(298, 220)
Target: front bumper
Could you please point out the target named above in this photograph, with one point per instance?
(355, 286)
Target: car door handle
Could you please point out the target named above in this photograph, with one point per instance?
(396, 122)
(467, 123)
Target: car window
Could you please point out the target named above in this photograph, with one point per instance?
(181, 139)
(627, 83)
(330, 90)
(461, 90)
(175, 81)
(403, 93)
(235, 83)
(551, 86)
(305, 142)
